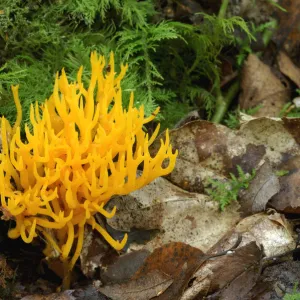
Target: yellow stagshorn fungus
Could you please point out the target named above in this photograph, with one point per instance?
(80, 149)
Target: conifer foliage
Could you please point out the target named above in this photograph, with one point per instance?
(168, 60)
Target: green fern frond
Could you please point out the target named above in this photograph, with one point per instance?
(207, 98)
(196, 56)
(135, 13)
(10, 77)
(104, 5)
(87, 10)
(31, 74)
(172, 110)
(132, 42)
(226, 26)
(171, 64)
(84, 10)
(137, 47)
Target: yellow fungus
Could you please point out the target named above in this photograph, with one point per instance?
(83, 147)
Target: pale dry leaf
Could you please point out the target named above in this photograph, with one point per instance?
(260, 86)
(278, 137)
(288, 68)
(275, 238)
(179, 216)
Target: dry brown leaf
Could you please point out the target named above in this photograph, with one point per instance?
(199, 285)
(6, 272)
(67, 295)
(179, 261)
(287, 35)
(261, 189)
(260, 86)
(288, 68)
(238, 288)
(88, 292)
(151, 285)
(288, 199)
(219, 272)
(179, 216)
(224, 275)
(292, 125)
(261, 291)
(208, 150)
(120, 268)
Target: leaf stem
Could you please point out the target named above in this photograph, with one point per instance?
(223, 9)
(224, 102)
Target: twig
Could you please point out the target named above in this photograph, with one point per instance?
(237, 243)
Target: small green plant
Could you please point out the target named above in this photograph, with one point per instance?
(281, 173)
(232, 120)
(294, 295)
(290, 110)
(226, 192)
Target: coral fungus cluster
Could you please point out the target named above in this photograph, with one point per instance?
(80, 148)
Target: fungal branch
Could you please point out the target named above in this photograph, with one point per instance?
(80, 148)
